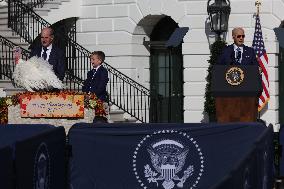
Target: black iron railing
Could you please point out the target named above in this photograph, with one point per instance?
(7, 63)
(123, 91)
(24, 21)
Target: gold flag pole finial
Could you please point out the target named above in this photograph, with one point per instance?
(257, 4)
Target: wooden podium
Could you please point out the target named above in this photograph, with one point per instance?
(236, 90)
(235, 109)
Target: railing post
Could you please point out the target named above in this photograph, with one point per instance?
(6, 62)
(9, 13)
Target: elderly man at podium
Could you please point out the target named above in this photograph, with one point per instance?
(238, 53)
(236, 84)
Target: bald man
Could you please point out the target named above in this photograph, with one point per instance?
(54, 55)
(238, 53)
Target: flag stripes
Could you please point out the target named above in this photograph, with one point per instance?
(262, 59)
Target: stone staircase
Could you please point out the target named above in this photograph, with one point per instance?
(8, 33)
(6, 86)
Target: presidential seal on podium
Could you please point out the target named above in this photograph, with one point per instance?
(234, 76)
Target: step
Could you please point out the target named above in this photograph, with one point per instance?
(3, 9)
(10, 92)
(8, 33)
(126, 121)
(5, 49)
(24, 45)
(16, 40)
(128, 118)
(4, 16)
(116, 115)
(4, 21)
(6, 84)
(3, 26)
(6, 30)
(3, 12)
(119, 116)
(53, 1)
(42, 11)
(49, 5)
(52, 4)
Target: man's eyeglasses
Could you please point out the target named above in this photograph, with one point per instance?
(239, 36)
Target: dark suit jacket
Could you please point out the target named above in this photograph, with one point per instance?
(56, 59)
(97, 84)
(228, 56)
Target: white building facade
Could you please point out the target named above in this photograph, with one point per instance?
(121, 27)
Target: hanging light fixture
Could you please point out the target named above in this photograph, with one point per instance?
(219, 12)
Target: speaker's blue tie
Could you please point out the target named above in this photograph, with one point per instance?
(239, 55)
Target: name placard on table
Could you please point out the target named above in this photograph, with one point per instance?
(52, 105)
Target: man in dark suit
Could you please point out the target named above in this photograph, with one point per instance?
(238, 53)
(97, 78)
(49, 52)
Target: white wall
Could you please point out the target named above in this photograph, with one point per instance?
(117, 27)
(67, 9)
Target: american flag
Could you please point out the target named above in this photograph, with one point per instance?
(262, 59)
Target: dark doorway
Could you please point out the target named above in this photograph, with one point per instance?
(166, 72)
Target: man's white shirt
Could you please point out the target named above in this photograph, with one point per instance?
(47, 52)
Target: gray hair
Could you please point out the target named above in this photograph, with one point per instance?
(236, 29)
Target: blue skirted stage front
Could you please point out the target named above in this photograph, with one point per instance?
(32, 156)
(170, 156)
(133, 156)
(6, 164)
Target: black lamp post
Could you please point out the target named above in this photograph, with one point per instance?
(218, 11)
